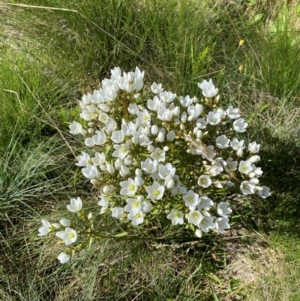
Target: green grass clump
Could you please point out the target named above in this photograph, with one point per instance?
(50, 57)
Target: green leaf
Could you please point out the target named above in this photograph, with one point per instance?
(122, 234)
(256, 19)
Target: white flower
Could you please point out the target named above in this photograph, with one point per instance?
(45, 229)
(117, 136)
(90, 172)
(205, 203)
(194, 111)
(75, 206)
(65, 222)
(222, 142)
(204, 181)
(167, 96)
(240, 126)
(137, 218)
(133, 205)
(83, 160)
(166, 172)
(264, 193)
(258, 172)
(185, 101)
(233, 113)
(99, 159)
(155, 191)
(208, 88)
(176, 217)
(156, 88)
(217, 167)
(147, 206)
(207, 223)
(89, 142)
(76, 128)
(129, 187)
(144, 118)
(158, 154)
(223, 209)
(103, 203)
(99, 138)
(149, 166)
(236, 144)
(110, 125)
(191, 198)
(63, 257)
(103, 117)
(245, 167)
(117, 212)
(230, 165)
(195, 217)
(154, 104)
(222, 223)
(213, 118)
(69, 235)
(247, 188)
(201, 123)
(121, 151)
(254, 147)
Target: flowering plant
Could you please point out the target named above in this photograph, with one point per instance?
(153, 155)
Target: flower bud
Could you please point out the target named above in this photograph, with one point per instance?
(254, 159)
(125, 170)
(254, 181)
(103, 167)
(177, 121)
(150, 148)
(239, 153)
(106, 189)
(138, 172)
(229, 184)
(154, 129)
(176, 111)
(161, 137)
(170, 184)
(118, 163)
(110, 168)
(95, 183)
(199, 134)
(128, 160)
(171, 136)
(147, 131)
(135, 139)
(252, 174)
(183, 117)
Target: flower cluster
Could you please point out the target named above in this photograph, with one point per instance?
(152, 154)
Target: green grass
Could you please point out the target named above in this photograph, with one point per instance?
(49, 58)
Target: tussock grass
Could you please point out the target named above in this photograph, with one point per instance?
(49, 57)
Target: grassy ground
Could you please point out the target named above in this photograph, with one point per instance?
(50, 57)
